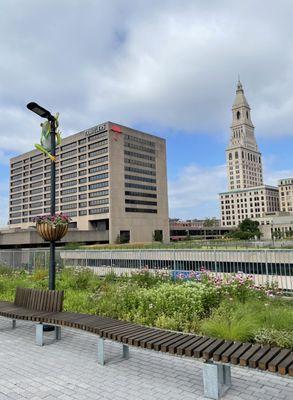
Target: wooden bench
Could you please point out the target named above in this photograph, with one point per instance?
(45, 307)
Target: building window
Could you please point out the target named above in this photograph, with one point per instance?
(141, 210)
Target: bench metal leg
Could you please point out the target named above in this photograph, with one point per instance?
(58, 332)
(39, 334)
(13, 323)
(125, 351)
(216, 380)
(101, 357)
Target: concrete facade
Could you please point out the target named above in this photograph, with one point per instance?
(286, 194)
(280, 224)
(247, 196)
(252, 203)
(109, 178)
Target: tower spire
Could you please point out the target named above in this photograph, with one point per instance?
(243, 157)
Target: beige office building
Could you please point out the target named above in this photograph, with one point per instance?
(109, 178)
(247, 196)
(286, 194)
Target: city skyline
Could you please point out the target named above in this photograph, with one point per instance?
(161, 74)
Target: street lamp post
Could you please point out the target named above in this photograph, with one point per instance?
(42, 112)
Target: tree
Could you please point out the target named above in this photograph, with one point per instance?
(209, 222)
(247, 229)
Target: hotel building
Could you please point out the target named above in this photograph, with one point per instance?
(247, 197)
(109, 178)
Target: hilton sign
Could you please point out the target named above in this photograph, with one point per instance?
(95, 129)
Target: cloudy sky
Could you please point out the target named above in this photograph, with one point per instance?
(166, 67)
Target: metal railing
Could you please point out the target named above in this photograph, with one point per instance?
(28, 259)
(265, 265)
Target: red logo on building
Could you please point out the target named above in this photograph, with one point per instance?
(117, 129)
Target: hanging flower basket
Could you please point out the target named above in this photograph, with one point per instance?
(52, 228)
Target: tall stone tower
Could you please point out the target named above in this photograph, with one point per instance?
(244, 165)
(247, 196)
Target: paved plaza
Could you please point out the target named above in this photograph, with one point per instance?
(68, 369)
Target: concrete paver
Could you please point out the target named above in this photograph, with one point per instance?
(68, 369)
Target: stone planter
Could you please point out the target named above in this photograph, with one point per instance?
(52, 233)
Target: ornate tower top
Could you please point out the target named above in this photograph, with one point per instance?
(242, 127)
(240, 99)
(243, 158)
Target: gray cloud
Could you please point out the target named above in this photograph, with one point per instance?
(169, 64)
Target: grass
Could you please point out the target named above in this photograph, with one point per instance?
(186, 244)
(195, 307)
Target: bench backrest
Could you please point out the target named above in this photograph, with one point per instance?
(39, 300)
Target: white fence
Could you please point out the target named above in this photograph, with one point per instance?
(264, 265)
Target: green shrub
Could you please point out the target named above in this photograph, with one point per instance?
(77, 278)
(165, 305)
(274, 337)
(147, 279)
(232, 321)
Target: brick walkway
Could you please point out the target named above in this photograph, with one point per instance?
(68, 370)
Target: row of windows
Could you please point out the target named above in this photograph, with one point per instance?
(98, 202)
(138, 155)
(249, 156)
(139, 147)
(68, 191)
(98, 185)
(69, 176)
(98, 160)
(139, 140)
(18, 176)
(99, 193)
(140, 178)
(141, 202)
(68, 146)
(69, 161)
(140, 171)
(99, 168)
(69, 154)
(98, 144)
(98, 176)
(97, 136)
(141, 210)
(140, 163)
(140, 194)
(97, 152)
(138, 186)
(68, 183)
(99, 210)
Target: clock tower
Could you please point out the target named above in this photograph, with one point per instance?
(244, 164)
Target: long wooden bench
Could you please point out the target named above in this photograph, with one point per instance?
(45, 307)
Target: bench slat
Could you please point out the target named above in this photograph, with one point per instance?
(285, 364)
(225, 357)
(181, 348)
(263, 362)
(140, 340)
(172, 344)
(140, 331)
(163, 335)
(253, 361)
(248, 354)
(188, 351)
(197, 352)
(273, 364)
(157, 345)
(235, 357)
(208, 352)
(218, 353)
